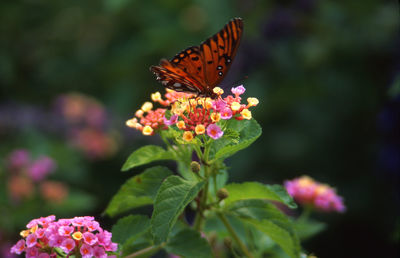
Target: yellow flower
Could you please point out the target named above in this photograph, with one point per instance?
(200, 129)
(305, 181)
(321, 189)
(156, 96)
(181, 124)
(208, 103)
(77, 235)
(147, 106)
(187, 136)
(252, 102)
(215, 117)
(25, 233)
(147, 130)
(132, 123)
(139, 113)
(246, 114)
(235, 106)
(218, 91)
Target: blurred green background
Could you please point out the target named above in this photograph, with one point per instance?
(324, 72)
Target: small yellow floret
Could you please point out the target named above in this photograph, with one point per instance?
(200, 129)
(246, 114)
(218, 91)
(187, 136)
(77, 235)
(305, 181)
(156, 96)
(25, 233)
(321, 189)
(235, 106)
(132, 123)
(147, 106)
(34, 228)
(215, 117)
(181, 125)
(208, 103)
(147, 130)
(252, 102)
(139, 113)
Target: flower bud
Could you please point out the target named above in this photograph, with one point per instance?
(195, 167)
(222, 194)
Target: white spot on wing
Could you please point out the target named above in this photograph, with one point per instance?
(177, 84)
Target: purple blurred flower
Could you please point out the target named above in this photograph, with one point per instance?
(41, 168)
(239, 90)
(171, 121)
(18, 159)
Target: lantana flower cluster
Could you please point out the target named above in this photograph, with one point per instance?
(85, 123)
(79, 236)
(192, 115)
(25, 173)
(308, 192)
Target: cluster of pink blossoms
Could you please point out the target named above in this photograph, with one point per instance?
(194, 116)
(26, 174)
(322, 197)
(80, 236)
(86, 125)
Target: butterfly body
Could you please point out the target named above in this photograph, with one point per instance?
(199, 69)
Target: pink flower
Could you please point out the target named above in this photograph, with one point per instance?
(78, 221)
(31, 240)
(89, 238)
(173, 119)
(67, 245)
(31, 252)
(111, 247)
(64, 222)
(18, 159)
(19, 247)
(92, 225)
(40, 232)
(214, 131)
(219, 105)
(65, 230)
(238, 90)
(56, 240)
(322, 197)
(226, 113)
(99, 252)
(40, 168)
(86, 251)
(104, 238)
(44, 255)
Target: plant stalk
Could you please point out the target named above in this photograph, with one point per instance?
(145, 251)
(232, 232)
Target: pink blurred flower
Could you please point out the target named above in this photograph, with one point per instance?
(40, 168)
(99, 252)
(31, 240)
(32, 252)
(89, 238)
(18, 159)
(65, 230)
(322, 197)
(239, 90)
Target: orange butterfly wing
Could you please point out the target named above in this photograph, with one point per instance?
(199, 69)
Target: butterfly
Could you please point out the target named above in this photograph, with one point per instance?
(199, 69)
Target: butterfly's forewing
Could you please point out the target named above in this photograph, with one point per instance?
(219, 51)
(199, 69)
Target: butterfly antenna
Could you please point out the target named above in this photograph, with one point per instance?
(240, 81)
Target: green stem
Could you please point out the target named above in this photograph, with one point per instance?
(148, 250)
(232, 232)
(305, 214)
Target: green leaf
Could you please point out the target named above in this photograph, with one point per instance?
(247, 130)
(138, 191)
(255, 190)
(188, 243)
(146, 155)
(268, 219)
(173, 196)
(130, 227)
(308, 228)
